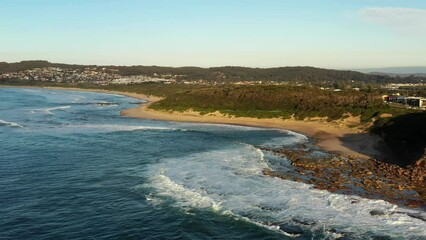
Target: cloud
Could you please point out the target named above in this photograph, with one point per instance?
(402, 20)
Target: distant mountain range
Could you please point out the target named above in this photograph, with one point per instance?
(395, 71)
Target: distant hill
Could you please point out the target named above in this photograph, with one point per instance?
(222, 74)
(396, 71)
(423, 75)
(28, 65)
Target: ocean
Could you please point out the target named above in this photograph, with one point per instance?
(72, 168)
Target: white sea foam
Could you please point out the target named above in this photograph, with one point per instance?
(78, 98)
(294, 138)
(291, 138)
(120, 128)
(195, 198)
(29, 90)
(230, 127)
(283, 138)
(231, 182)
(213, 127)
(48, 111)
(105, 104)
(10, 124)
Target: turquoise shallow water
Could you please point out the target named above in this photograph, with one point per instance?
(72, 168)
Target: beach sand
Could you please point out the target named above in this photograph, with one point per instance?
(330, 137)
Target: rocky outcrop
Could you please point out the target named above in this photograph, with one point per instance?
(366, 178)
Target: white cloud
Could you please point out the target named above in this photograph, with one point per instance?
(402, 20)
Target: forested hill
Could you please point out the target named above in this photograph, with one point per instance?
(28, 65)
(233, 74)
(223, 74)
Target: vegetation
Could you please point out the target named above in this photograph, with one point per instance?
(28, 65)
(419, 91)
(155, 89)
(404, 136)
(308, 75)
(233, 74)
(254, 101)
(278, 101)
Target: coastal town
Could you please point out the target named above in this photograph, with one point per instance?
(106, 76)
(93, 75)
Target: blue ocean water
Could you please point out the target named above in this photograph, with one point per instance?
(72, 168)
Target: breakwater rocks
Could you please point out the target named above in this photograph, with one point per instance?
(366, 178)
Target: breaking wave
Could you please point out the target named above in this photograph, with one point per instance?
(10, 124)
(106, 104)
(78, 99)
(231, 182)
(120, 128)
(48, 111)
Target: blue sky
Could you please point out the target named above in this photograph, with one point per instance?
(257, 33)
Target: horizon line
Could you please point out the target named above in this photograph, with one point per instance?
(194, 66)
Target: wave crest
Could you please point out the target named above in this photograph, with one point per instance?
(122, 128)
(48, 111)
(10, 124)
(231, 180)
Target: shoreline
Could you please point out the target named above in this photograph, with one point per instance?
(340, 139)
(360, 174)
(330, 137)
(140, 96)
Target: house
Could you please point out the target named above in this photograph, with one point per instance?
(393, 98)
(416, 102)
(422, 103)
(401, 99)
(419, 102)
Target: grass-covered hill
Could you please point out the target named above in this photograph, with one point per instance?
(278, 101)
(235, 74)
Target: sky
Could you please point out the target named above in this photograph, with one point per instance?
(339, 34)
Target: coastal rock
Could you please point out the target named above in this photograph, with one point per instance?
(366, 178)
(376, 213)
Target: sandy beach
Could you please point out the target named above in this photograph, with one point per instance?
(330, 137)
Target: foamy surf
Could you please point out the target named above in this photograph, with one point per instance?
(277, 138)
(49, 111)
(77, 99)
(120, 128)
(10, 124)
(106, 104)
(206, 182)
(196, 198)
(230, 181)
